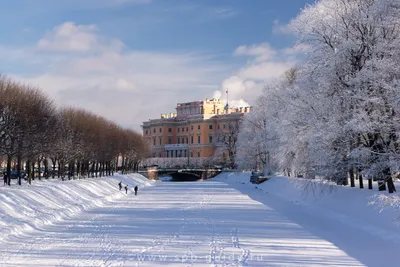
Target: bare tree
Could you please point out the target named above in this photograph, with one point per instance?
(226, 140)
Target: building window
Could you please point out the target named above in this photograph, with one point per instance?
(169, 130)
(179, 129)
(210, 139)
(154, 141)
(183, 129)
(210, 127)
(191, 127)
(154, 130)
(223, 126)
(187, 129)
(198, 139)
(146, 132)
(179, 140)
(160, 130)
(218, 127)
(191, 139)
(198, 154)
(169, 140)
(198, 127)
(160, 141)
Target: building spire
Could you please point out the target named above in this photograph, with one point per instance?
(227, 101)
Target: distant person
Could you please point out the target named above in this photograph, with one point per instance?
(5, 179)
(120, 186)
(126, 189)
(136, 189)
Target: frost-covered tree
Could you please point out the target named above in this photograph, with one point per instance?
(256, 137)
(336, 114)
(346, 89)
(225, 141)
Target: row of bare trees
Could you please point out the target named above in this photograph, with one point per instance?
(35, 134)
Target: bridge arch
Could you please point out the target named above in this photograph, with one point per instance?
(181, 174)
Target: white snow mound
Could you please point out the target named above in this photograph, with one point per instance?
(44, 202)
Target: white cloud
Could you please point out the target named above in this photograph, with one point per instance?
(69, 37)
(279, 28)
(260, 51)
(264, 64)
(79, 67)
(263, 71)
(297, 49)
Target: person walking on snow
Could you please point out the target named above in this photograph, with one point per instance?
(126, 188)
(136, 189)
(120, 186)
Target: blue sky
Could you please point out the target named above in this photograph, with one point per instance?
(112, 56)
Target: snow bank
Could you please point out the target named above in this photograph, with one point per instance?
(351, 206)
(47, 201)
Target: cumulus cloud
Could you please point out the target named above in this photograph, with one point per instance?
(261, 52)
(69, 37)
(78, 66)
(264, 64)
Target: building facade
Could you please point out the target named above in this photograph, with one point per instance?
(200, 129)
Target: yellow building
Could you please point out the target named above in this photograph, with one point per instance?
(197, 130)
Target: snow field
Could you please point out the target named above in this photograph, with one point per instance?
(219, 223)
(47, 201)
(342, 215)
(176, 224)
(350, 205)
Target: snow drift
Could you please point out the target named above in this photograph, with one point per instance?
(47, 201)
(351, 206)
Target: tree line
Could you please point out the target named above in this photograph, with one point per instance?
(37, 135)
(337, 114)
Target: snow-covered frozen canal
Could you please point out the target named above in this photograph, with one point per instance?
(185, 224)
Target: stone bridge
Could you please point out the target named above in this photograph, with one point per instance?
(180, 174)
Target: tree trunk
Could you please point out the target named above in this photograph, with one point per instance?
(93, 168)
(360, 180)
(73, 169)
(39, 170)
(88, 169)
(381, 185)
(123, 165)
(352, 181)
(54, 167)
(46, 168)
(9, 159)
(28, 171)
(33, 170)
(61, 169)
(391, 186)
(19, 161)
(97, 169)
(370, 184)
